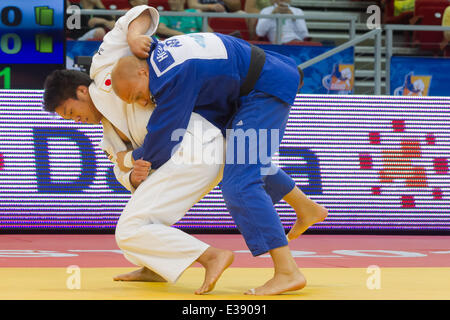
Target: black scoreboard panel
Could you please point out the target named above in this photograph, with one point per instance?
(31, 42)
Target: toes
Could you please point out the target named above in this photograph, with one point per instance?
(199, 291)
(203, 289)
(250, 292)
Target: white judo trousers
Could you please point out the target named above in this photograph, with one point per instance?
(144, 231)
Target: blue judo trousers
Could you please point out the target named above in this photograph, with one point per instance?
(251, 188)
(203, 73)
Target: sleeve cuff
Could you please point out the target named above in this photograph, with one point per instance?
(128, 160)
(138, 153)
(124, 178)
(127, 177)
(133, 13)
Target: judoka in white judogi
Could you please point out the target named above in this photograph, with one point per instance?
(171, 190)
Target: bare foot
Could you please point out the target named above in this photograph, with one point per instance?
(279, 284)
(143, 274)
(215, 262)
(313, 214)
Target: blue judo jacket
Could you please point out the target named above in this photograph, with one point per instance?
(203, 73)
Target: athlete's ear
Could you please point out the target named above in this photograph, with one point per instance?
(82, 92)
(143, 72)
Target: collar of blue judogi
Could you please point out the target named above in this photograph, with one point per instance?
(152, 47)
(153, 44)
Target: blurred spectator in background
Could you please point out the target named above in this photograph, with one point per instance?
(173, 26)
(135, 3)
(291, 29)
(446, 23)
(254, 6)
(398, 11)
(215, 5)
(92, 27)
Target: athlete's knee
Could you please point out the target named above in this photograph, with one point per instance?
(121, 237)
(232, 188)
(241, 182)
(124, 233)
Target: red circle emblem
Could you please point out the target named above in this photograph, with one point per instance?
(108, 82)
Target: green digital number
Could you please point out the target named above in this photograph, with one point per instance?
(17, 43)
(6, 74)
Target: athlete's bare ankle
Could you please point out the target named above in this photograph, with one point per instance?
(286, 271)
(207, 256)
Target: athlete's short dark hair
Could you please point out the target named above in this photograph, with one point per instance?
(61, 85)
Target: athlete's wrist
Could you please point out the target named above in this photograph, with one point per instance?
(133, 181)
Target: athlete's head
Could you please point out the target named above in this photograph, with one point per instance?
(130, 80)
(67, 94)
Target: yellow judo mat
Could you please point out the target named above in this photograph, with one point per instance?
(322, 283)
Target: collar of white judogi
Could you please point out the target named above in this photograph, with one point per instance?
(109, 105)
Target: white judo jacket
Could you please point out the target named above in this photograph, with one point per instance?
(130, 119)
(144, 232)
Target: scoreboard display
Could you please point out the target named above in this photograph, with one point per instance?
(31, 42)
